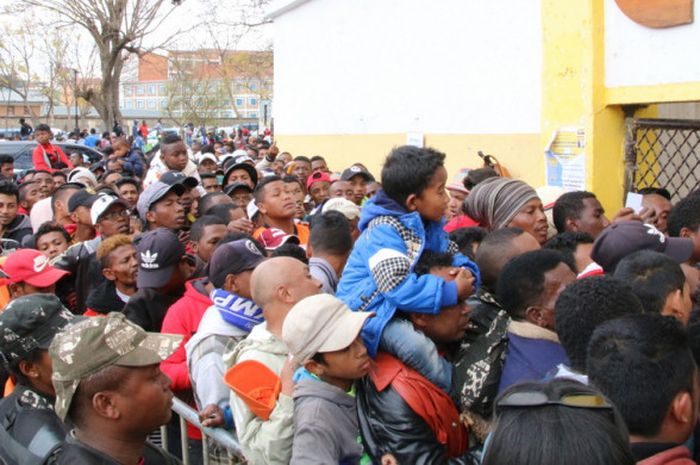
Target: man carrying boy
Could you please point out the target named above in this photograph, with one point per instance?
(398, 224)
(323, 336)
(400, 411)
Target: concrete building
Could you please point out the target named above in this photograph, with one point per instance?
(202, 84)
(512, 78)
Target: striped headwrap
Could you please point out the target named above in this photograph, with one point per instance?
(495, 201)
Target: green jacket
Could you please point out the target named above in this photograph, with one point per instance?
(263, 442)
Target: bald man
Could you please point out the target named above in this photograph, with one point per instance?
(276, 285)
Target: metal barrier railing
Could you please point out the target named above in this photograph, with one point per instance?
(222, 437)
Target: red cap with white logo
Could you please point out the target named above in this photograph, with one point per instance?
(32, 267)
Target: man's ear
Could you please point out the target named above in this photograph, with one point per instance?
(105, 404)
(419, 320)
(109, 274)
(28, 369)
(571, 224)
(674, 306)
(231, 283)
(314, 367)
(74, 217)
(535, 315)
(682, 408)
(410, 202)
(150, 217)
(194, 245)
(261, 206)
(685, 232)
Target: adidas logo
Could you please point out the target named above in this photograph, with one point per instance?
(148, 260)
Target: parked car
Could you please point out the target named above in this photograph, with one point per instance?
(22, 151)
(153, 136)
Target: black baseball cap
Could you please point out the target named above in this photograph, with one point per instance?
(177, 177)
(626, 237)
(159, 252)
(233, 258)
(356, 171)
(82, 198)
(30, 322)
(237, 185)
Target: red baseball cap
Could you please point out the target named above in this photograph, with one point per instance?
(271, 238)
(317, 176)
(32, 267)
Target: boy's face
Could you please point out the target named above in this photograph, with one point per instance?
(240, 175)
(278, 201)
(302, 170)
(359, 186)
(120, 149)
(7, 170)
(456, 200)
(211, 185)
(342, 189)
(298, 196)
(432, 202)
(8, 209)
(129, 193)
(175, 156)
(319, 191)
(42, 137)
(207, 166)
(212, 235)
(347, 364)
(167, 212)
(241, 196)
(32, 194)
(45, 183)
(319, 165)
(52, 244)
(124, 265)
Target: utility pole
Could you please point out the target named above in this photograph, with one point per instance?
(75, 97)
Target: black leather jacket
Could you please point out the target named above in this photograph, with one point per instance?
(31, 431)
(389, 426)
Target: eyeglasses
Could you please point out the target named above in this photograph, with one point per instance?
(538, 399)
(115, 215)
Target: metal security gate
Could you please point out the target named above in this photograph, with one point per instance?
(663, 153)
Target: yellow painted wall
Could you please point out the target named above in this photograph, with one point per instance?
(520, 153)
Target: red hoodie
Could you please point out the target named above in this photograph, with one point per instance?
(183, 317)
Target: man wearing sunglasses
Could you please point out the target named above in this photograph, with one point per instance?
(644, 365)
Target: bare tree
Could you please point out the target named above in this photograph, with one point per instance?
(17, 49)
(117, 28)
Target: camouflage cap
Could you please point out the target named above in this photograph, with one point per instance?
(86, 347)
(30, 322)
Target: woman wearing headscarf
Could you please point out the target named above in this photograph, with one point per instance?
(502, 202)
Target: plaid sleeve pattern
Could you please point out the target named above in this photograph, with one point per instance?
(389, 269)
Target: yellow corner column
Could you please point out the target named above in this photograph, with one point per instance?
(573, 93)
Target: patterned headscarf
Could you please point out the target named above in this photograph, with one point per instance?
(495, 201)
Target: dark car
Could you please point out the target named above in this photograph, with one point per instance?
(22, 151)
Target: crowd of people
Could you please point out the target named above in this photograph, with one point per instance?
(325, 315)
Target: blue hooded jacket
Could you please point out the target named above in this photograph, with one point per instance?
(379, 273)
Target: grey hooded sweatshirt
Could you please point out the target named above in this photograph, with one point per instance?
(325, 425)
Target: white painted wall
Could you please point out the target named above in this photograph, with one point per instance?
(637, 55)
(395, 66)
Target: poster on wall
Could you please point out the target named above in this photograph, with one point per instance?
(565, 159)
